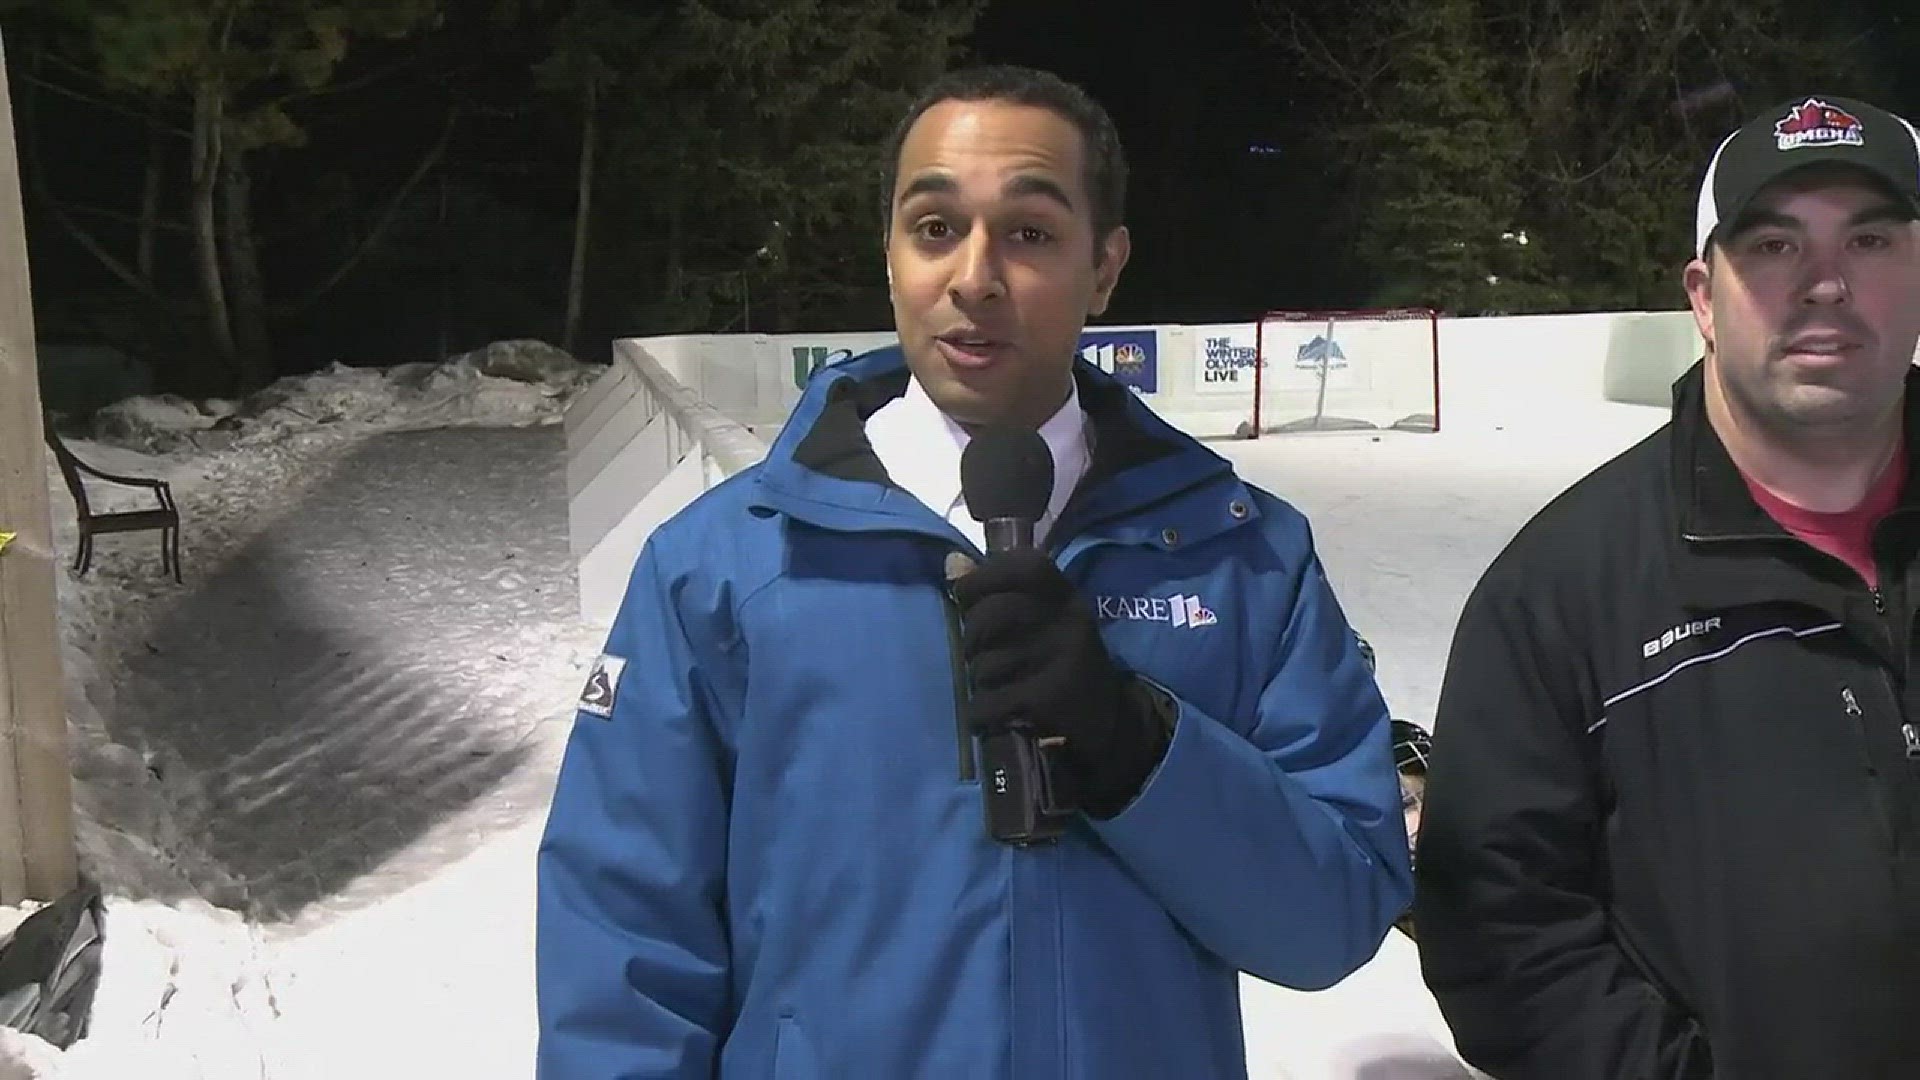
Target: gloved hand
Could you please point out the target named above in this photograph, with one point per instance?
(1034, 653)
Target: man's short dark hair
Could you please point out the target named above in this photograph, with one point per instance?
(1105, 162)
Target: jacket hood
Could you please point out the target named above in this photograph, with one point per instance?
(821, 467)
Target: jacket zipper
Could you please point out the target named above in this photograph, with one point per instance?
(1909, 734)
(1876, 791)
(957, 664)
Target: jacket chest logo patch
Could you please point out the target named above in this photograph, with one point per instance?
(1685, 630)
(1178, 610)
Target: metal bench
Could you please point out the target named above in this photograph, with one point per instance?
(165, 518)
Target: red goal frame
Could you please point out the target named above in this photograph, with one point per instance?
(1302, 315)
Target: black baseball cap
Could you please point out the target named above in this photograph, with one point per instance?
(1815, 130)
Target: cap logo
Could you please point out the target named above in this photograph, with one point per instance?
(1816, 123)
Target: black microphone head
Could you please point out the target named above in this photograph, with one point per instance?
(1006, 473)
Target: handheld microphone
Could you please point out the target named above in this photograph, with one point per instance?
(1006, 478)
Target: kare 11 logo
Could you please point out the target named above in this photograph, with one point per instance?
(1130, 356)
(1179, 610)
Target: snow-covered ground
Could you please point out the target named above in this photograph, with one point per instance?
(1405, 524)
(311, 780)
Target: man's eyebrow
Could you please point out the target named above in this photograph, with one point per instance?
(1876, 214)
(1763, 219)
(1018, 187)
(1021, 186)
(1881, 213)
(928, 184)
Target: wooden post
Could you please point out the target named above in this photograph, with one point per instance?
(36, 783)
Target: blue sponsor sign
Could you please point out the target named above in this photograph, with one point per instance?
(1131, 356)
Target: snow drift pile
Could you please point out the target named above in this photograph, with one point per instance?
(506, 383)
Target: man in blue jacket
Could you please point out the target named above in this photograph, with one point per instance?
(766, 855)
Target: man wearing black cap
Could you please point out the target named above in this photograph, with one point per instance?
(1673, 829)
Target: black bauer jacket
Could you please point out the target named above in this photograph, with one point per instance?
(1672, 827)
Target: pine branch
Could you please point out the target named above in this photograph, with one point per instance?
(94, 247)
(105, 103)
(427, 162)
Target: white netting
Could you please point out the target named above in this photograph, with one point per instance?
(1346, 370)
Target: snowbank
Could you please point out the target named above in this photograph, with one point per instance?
(508, 383)
(178, 960)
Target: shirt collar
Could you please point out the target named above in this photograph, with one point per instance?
(920, 447)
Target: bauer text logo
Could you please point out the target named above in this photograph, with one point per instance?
(1679, 633)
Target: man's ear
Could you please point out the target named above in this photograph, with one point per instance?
(1697, 279)
(1112, 259)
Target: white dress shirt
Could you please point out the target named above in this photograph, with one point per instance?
(920, 448)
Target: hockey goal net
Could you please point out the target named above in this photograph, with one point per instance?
(1345, 370)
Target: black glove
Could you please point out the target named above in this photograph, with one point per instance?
(1034, 654)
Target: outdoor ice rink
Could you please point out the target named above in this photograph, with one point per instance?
(361, 696)
(1405, 523)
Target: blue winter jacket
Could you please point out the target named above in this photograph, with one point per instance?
(768, 860)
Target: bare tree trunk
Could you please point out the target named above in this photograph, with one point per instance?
(446, 275)
(150, 203)
(243, 266)
(786, 301)
(207, 118)
(785, 276)
(577, 273)
(676, 246)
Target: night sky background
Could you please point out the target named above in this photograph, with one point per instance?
(1238, 199)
